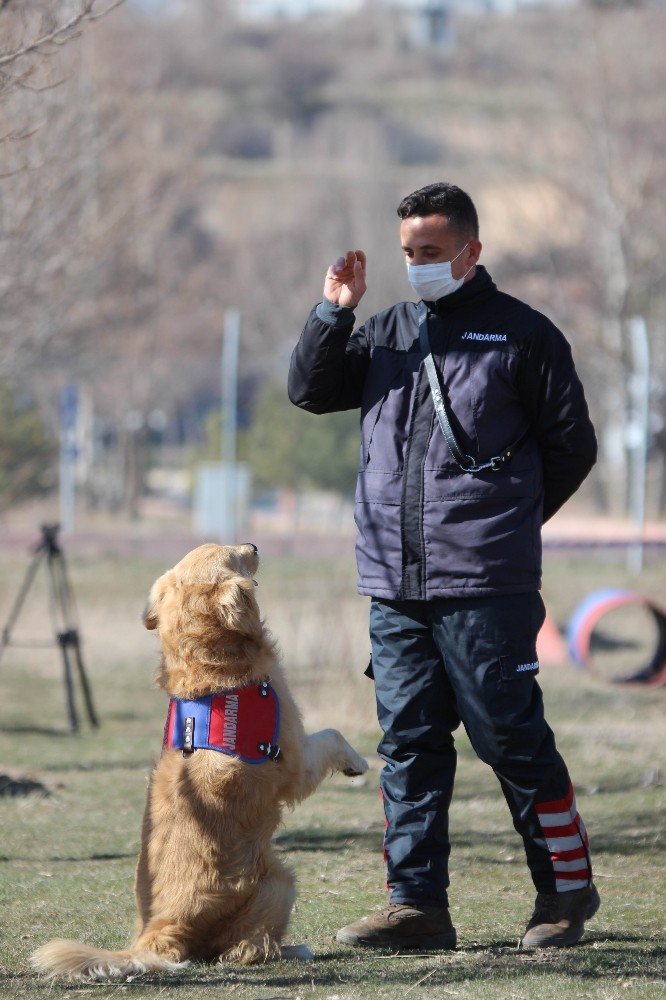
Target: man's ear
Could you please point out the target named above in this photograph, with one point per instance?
(151, 612)
(474, 248)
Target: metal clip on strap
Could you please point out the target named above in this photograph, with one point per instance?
(270, 750)
(465, 462)
(188, 736)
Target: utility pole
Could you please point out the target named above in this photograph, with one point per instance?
(229, 419)
(637, 436)
(69, 411)
(230, 340)
(222, 493)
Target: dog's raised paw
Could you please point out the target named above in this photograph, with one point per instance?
(355, 767)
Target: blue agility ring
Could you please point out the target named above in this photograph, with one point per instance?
(589, 612)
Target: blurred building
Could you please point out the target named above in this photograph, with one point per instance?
(430, 18)
(428, 22)
(273, 9)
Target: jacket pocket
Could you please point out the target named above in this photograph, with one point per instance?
(371, 420)
(387, 405)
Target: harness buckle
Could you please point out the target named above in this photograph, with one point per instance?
(188, 736)
(498, 461)
(270, 750)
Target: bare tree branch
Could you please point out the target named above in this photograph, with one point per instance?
(62, 32)
(21, 85)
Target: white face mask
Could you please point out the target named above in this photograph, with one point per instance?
(433, 281)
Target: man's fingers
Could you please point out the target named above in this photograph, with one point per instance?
(346, 263)
(348, 272)
(359, 276)
(339, 267)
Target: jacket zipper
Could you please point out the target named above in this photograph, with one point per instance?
(424, 576)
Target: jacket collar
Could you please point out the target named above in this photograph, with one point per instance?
(474, 291)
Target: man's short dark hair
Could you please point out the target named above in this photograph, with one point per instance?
(443, 199)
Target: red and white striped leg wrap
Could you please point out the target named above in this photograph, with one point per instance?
(567, 842)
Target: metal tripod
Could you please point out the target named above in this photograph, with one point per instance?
(63, 615)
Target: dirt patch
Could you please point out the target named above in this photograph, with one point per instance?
(13, 783)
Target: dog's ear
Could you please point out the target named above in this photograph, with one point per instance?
(151, 612)
(237, 607)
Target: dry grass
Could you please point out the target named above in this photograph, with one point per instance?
(66, 861)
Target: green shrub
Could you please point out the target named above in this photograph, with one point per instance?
(27, 450)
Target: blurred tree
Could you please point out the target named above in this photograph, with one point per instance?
(27, 451)
(285, 447)
(613, 188)
(190, 163)
(32, 27)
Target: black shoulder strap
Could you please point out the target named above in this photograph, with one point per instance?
(465, 462)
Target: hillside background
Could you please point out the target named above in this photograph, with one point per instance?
(174, 160)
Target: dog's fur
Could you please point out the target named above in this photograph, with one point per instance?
(208, 882)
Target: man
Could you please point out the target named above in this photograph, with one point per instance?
(449, 509)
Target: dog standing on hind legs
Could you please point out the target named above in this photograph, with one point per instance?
(209, 884)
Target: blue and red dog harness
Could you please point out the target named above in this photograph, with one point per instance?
(243, 723)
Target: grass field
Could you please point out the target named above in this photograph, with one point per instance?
(66, 860)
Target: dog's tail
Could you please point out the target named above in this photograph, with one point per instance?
(81, 961)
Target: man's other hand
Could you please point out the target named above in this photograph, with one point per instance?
(345, 280)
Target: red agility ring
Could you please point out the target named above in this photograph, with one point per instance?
(586, 617)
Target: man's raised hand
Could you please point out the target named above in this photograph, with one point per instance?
(345, 280)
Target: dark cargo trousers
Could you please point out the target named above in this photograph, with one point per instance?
(472, 660)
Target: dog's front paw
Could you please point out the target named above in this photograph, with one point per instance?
(354, 765)
(252, 951)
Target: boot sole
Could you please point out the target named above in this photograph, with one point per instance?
(430, 942)
(567, 938)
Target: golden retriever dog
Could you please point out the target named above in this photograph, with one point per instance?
(209, 884)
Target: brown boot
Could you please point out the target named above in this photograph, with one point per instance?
(559, 918)
(401, 925)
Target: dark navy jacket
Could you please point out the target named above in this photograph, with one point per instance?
(426, 528)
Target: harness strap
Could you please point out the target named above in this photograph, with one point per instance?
(243, 723)
(462, 460)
